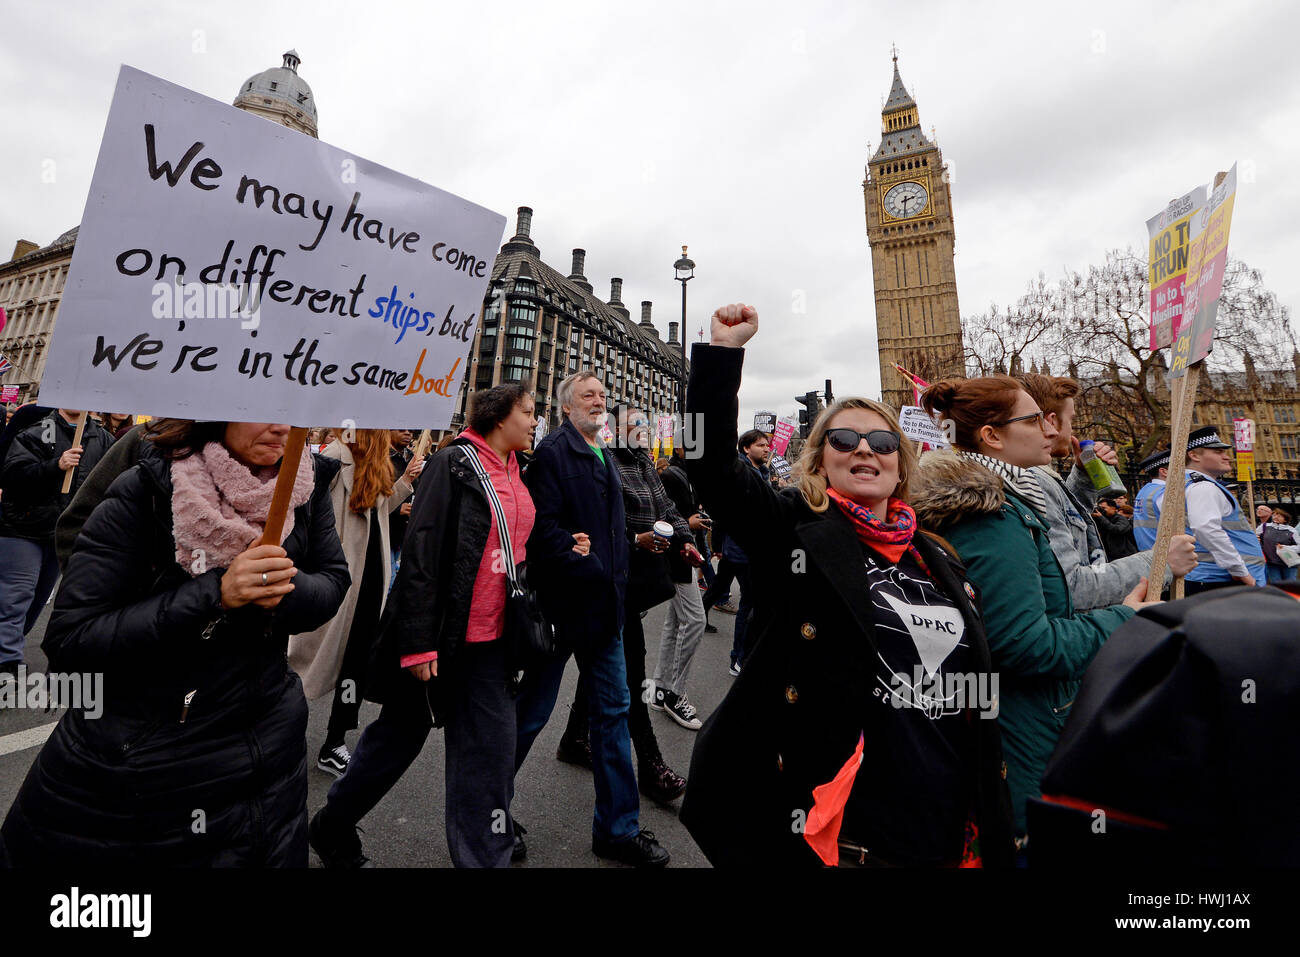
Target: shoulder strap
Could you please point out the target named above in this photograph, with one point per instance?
(499, 512)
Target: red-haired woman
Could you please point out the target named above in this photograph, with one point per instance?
(333, 657)
(983, 498)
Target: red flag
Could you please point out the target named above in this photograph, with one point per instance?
(822, 830)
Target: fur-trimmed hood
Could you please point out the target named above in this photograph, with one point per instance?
(949, 487)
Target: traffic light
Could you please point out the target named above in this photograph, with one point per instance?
(807, 414)
(829, 398)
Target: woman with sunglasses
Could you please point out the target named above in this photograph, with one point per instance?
(983, 498)
(853, 734)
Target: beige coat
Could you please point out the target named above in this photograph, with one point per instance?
(317, 656)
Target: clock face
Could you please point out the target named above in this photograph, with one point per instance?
(906, 200)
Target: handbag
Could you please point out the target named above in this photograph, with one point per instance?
(529, 634)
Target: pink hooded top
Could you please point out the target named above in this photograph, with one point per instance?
(488, 602)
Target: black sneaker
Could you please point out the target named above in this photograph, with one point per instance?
(641, 850)
(682, 711)
(521, 849)
(342, 850)
(657, 700)
(710, 629)
(334, 760)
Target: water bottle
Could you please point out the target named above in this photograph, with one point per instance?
(1104, 477)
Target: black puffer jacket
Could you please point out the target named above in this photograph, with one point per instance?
(32, 480)
(151, 783)
(429, 607)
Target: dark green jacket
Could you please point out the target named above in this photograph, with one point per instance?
(1040, 646)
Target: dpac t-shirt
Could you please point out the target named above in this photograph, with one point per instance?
(913, 792)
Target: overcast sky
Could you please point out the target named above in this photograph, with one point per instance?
(741, 129)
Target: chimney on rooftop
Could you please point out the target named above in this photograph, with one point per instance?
(616, 292)
(525, 223)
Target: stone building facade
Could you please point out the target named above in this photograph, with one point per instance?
(538, 326)
(912, 239)
(31, 283)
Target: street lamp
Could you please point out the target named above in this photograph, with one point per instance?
(685, 272)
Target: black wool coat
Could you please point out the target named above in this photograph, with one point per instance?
(581, 595)
(792, 718)
(152, 782)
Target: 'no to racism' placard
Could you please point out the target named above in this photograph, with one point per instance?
(1207, 258)
(229, 268)
(1170, 237)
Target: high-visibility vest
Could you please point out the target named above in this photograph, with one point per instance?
(1242, 536)
(1146, 513)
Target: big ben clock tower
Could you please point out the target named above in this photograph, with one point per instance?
(910, 230)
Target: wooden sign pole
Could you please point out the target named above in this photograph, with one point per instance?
(1173, 508)
(284, 486)
(76, 440)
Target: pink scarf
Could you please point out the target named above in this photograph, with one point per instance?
(220, 506)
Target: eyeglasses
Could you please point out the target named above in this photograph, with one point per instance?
(1040, 416)
(881, 441)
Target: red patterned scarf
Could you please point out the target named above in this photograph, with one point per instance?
(892, 537)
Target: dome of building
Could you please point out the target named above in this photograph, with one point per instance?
(280, 94)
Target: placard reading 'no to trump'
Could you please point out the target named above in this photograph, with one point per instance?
(229, 268)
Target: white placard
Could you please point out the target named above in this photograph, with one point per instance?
(917, 425)
(319, 288)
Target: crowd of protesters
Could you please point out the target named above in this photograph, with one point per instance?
(910, 637)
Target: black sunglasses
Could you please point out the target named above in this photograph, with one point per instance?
(881, 441)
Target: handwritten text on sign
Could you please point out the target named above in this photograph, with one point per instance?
(229, 268)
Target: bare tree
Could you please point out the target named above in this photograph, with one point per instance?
(1095, 324)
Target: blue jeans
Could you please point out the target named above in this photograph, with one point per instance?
(1280, 573)
(739, 646)
(604, 676)
(28, 571)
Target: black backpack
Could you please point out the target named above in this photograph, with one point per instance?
(1181, 746)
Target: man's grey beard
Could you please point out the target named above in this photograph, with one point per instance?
(585, 425)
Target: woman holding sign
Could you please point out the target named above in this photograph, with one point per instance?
(192, 750)
(861, 624)
(983, 498)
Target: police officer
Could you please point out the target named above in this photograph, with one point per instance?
(1226, 545)
(1146, 507)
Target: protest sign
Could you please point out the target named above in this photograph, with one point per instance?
(1207, 257)
(918, 426)
(779, 466)
(229, 268)
(1170, 237)
(664, 435)
(1243, 438)
(1243, 434)
(9, 393)
(781, 435)
(765, 422)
